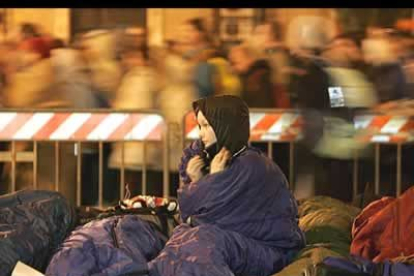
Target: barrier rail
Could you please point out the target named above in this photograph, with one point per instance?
(96, 126)
(99, 126)
(387, 129)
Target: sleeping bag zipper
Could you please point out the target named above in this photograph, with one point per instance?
(113, 233)
(116, 243)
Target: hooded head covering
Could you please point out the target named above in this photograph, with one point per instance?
(229, 118)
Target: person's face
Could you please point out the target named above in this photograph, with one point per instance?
(190, 35)
(343, 51)
(207, 134)
(239, 60)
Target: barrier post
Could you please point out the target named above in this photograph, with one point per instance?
(291, 165)
(57, 164)
(13, 166)
(399, 161)
(355, 176)
(166, 162)
(122, 184)
(377, 168)
(100, 175)
(78, 146)
(35, 156)
(144, 169)
(270, 149)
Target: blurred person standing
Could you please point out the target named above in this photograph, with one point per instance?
(71, 76)
(349, 92)
(385, 69)
(255, 76)
(30, 77)
(267, 38)
(174, 101)
(138, 91)
(306, 38)
(98, 48)
(31, 83)
(227, 82)
(198, 48)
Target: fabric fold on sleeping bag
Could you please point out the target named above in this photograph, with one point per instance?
(245, 210)
(32, 226)
(114, 246)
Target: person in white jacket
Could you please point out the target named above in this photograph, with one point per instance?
(100, 53)
(136, 91)
(175, 99)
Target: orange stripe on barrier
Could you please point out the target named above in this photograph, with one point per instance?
(156, 133)
(126, 127)
(45, 132)
(89, 126)
(263, 126)
(379, 121)
(190, 122)
(408, 126)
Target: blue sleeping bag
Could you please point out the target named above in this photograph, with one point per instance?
(356, 264)
(243, 221)
(113, 246)
(32, 226)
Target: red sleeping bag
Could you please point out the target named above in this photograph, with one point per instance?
(385, 229)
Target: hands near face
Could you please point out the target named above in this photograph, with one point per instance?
(220, 161)
(195, 165)
(194, 168)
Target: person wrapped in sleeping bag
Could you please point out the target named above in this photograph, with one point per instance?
(240, 216)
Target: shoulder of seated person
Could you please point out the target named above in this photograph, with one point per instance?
(250, 155)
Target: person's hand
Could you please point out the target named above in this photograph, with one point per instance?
(194, 168)
(220, 160)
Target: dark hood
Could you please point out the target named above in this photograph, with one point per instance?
(229, 117)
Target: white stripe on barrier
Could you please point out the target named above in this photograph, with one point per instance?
(255, 118)
(285, 121)
(362, 122)
(107, 126)
(194, 134)
(6, 118)
(144, 127)
(70, 126)
(33, 125)
(394, 125)
(380, 138)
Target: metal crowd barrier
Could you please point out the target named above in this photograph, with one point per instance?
(284, 126)
(80, 127)
(386, 130)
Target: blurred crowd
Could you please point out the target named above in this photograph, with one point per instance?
(311, 66)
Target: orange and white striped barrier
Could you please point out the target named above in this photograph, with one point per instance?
(386, 128)
(80, 126)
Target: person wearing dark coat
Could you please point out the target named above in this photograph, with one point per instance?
(255, 76)
(239, 215)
